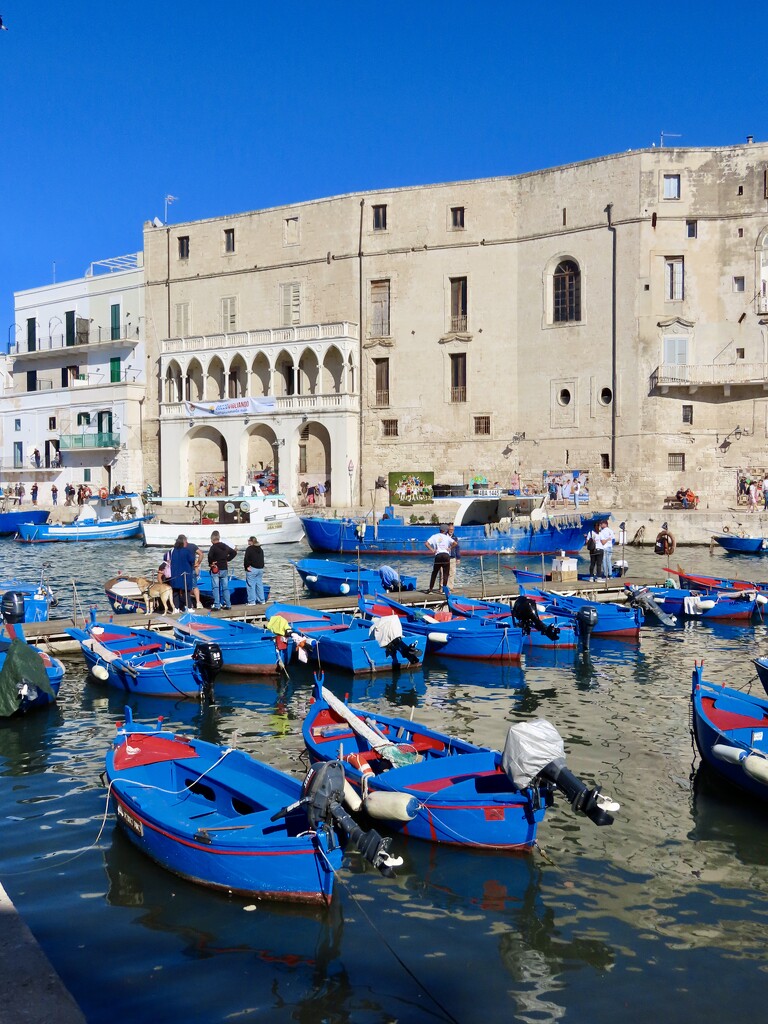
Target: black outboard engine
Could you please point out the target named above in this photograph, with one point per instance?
(525, 614)
(534, 754)
(408, 651)
(586, 617)
(322, 796)
(641, 597)
(210, 660)
(12, 606)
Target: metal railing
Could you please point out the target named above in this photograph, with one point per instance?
(701, 374)
(73, 442)
(459, 322)
(459, 394)
(309, 404)
(382, 397)
(96, 336)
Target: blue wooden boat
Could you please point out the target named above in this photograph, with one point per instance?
(29, 677)
(741, 545)
(117, 517)
(731, 732)
(219, 818)
(715, 605)
(484, 525)
(11, 521)
(428, 785)
(347, 642)
(500, 613)
(38, 597)
(125, 594)
(612, 620)
(535, 578)
(698, 581)
(328, 578)
(244, 648)
(144, 662)
(450, 636)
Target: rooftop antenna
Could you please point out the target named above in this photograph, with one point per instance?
(669, 135)
(168, 200)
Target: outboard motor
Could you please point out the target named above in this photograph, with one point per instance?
(525, 614)
(210, 660)
(12, 606)
(534, 752)
(322, 795)
(641, 597)
(586, 617)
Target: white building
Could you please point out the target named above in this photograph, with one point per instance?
(73, 413)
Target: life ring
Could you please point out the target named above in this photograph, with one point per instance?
(726, 529)
(359, 761)
(88, 492)
(665, 543)
(103, 493)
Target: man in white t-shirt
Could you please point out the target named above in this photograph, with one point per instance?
(607, 538)
(440, 545)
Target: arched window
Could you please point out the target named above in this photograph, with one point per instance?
(566, 292)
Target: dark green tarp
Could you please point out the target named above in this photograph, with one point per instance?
(22, 665)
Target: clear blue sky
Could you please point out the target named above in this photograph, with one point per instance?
(107, 107)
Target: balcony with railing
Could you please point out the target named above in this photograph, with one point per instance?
(382, 397)
(126, 334)
(311, 405)
(459, 394)
(696, 375)
(304, 334)
(86, 442)
(459, 322)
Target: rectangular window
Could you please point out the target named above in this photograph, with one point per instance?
(482, 425)
(380, 295)
(676, 350)
(674, 285)
(182, 319)
(688, 414)
(291, 231)
(229, 239)
(605, 461)
(381, 367)
(31, 334)
(738, 284)
(380, 218)
(68, 374)
(739, 353)
(114, 370)
(17, 425)
(183, 247)
(457, 218)
(290, 303)
(82, 330)
(229, 314)
(458, 303)
(31, 380)
(302, 458)
(740, 232)
(692, 228)
(83, 419)
(671, 186)
(51, 422)
(676, 462)
(18, 454)
(70, 335)
(114, 321)
(86, 476)
(459, 377)
(389, 428)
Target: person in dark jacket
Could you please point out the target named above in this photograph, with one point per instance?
(182, 565)
(219, 557)
(253, 562)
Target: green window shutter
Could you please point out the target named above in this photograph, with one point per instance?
(115, 321)
(31, 334)
(69, 318)
(114, 370)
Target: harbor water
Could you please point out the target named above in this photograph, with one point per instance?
(659, 917)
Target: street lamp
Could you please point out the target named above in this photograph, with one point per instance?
(13, 341)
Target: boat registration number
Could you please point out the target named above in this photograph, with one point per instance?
(128, 819)
(274, 526)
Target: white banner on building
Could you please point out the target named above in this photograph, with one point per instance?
(233, 407)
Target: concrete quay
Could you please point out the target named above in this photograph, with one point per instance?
(33, 992)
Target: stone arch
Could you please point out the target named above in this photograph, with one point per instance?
(194, 389)
(308, 377)
(563, 290)
(207, 458)
(314, 461)
(333, 371)
(351, 376)
(283, 379)
(261, 376)
(215, 380)
(237, 378)
(173, 383)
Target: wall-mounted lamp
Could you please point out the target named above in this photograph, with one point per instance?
(278, 443)
(736, 434)
(191, 423)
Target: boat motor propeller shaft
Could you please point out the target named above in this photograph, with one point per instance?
(583, 800)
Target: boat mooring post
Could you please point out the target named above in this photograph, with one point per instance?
(482, 578)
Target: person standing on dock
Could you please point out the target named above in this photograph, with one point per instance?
(455, 558)
(219, 557)
(253, 563)
(182, 566)
(440, 545)
(607, 539)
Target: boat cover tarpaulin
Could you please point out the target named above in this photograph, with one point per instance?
(531, 746)
(22, 665)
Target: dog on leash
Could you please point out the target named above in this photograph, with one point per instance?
(154, 592)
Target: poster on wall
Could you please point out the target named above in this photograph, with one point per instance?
(232, 407)
(210, 485)
(566, 484)
(411, 488)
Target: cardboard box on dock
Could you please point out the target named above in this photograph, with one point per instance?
(564, 569)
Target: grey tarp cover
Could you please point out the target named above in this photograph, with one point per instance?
(530, 747)
(22, 664)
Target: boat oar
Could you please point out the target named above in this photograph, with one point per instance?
(383, 747)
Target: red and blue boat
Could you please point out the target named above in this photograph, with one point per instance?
(611, 619)
(146, 663)
(553, 631)
(428, 785)
(245, 649)
(731, 732)
(347, 642)
(29, 677)
(326, 578)
(449, 635)
(220, 818)
(698, 581)
(713, 605)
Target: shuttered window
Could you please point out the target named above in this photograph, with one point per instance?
(380, 293)
(458, 303)
(182, 319)
(114, 321)
(290, 301)
(382, 381)
(229, 314)
(674, 279)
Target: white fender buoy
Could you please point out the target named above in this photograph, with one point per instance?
(723, 752)
(438, 638)
(100, 673)
(352, 798)
(706, 605)
(344, 588)
(761, 599)
(312, 579)
(390, 806)
(756, 768)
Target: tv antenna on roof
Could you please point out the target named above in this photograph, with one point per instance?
(669, 135)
